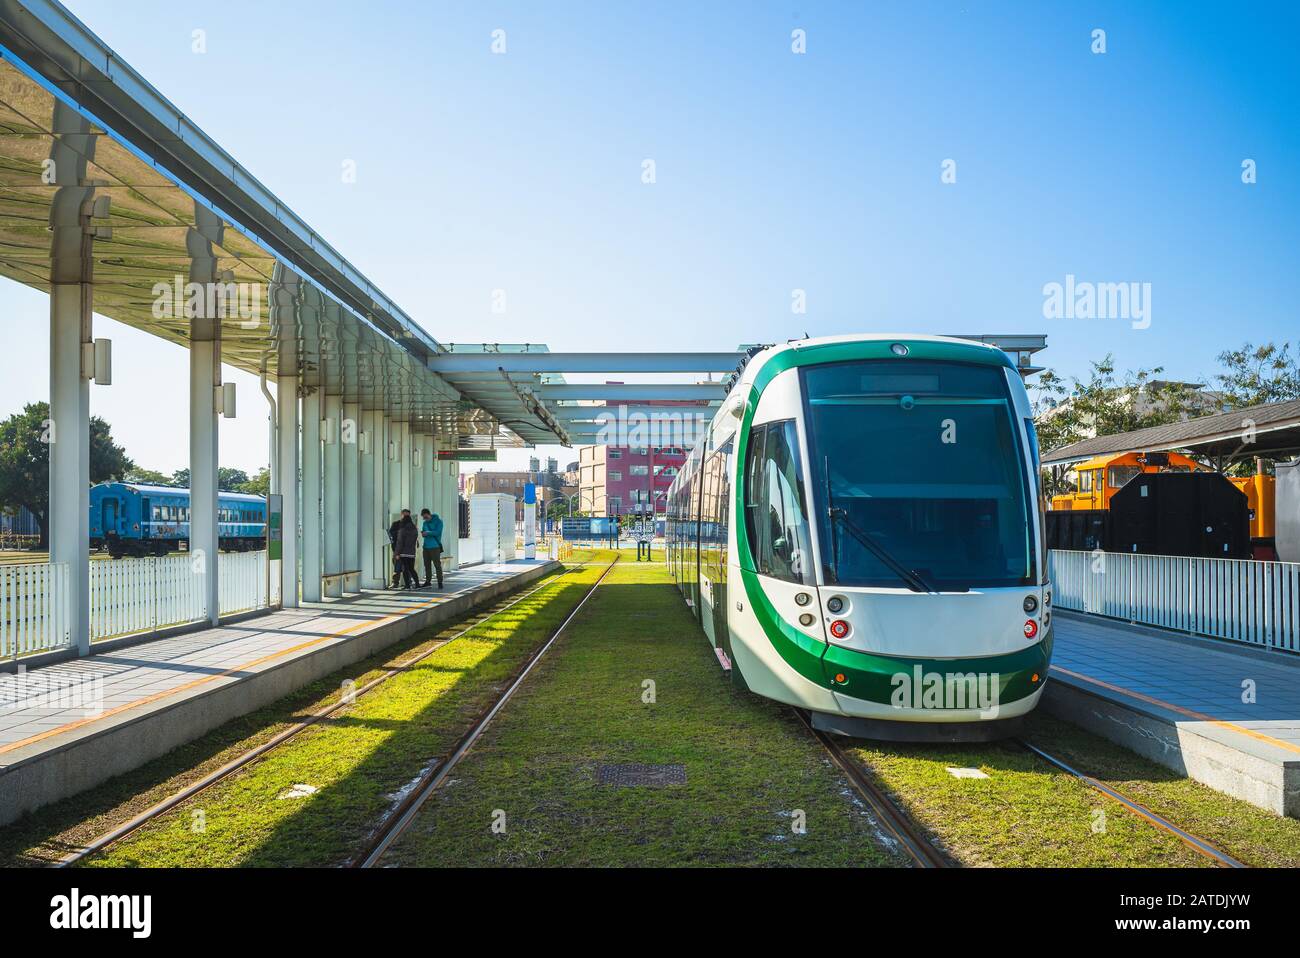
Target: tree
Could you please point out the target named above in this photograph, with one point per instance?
(25, 461)
(259, 485)
(229, 480)
(1258, 374)
(148, 477)
(1103, 405)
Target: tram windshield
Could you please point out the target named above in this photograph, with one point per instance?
(917, 476)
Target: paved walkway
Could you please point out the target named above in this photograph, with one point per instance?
(1194, 683)
(42, 708)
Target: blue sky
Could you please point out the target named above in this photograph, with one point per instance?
(774, 171)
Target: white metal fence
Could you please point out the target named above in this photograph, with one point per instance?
(33, 609)
(142, 595)
(242, 581)
(127, 596)
(1238, 599)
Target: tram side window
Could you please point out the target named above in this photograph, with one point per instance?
(776, 520)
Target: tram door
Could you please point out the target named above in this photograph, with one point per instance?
(146, 517)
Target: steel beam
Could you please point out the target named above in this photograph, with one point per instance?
(631, 392)
(539, 362)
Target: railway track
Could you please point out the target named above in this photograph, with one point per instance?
(1199, 845)
(245, 759)
(401, 816)
(910, 836)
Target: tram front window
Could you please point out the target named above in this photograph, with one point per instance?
(917, 475)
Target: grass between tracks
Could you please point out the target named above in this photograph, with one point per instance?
(1028, 813)
(751, 770)
(47, 834)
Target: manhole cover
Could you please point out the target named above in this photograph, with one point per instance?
(636, 775)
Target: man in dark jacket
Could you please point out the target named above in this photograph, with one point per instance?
(408, 539)
(397, 560)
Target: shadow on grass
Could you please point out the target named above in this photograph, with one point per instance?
(332, 825)
(53, 831)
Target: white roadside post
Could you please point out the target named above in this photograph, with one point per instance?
(530, 520)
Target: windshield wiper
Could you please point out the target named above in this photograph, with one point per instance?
(910, 577)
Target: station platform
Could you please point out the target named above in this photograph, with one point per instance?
(1223, 714)
(69, 726)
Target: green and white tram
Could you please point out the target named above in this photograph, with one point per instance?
(860, 533)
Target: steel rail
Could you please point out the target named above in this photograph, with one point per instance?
(400, 818)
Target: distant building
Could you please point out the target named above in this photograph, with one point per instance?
(623, 480)
(631, 480)
(549, 486)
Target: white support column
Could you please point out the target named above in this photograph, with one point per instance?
(430, 475)
(286, 395)
(350, 451)
(332, 489)
(311, 498)
(366, 496)
(69, 435)
(72, 208)
(403, 465)
(203, 540)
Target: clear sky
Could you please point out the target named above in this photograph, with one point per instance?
(774, 171)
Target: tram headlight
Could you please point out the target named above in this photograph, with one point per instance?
(835, 605)
(807, 619)
(1031, 605)
(802, 598)
(1047, 599)
(898, 349)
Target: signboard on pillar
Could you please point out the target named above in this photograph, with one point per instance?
(274, 527)
(467, 455)
(530, 520)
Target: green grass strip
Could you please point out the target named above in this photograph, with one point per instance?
(752, 772)
(313, 801)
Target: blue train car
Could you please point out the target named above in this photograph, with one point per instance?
(130, 518)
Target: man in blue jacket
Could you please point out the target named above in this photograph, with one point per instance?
(431, 528)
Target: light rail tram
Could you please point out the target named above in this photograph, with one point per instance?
(860, 533)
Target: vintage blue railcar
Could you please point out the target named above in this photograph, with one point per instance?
(130, 518)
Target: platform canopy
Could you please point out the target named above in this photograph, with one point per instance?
(1271, 430)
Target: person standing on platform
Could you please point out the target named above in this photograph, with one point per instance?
(397, 559)
(431, 528)
(408, 538)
